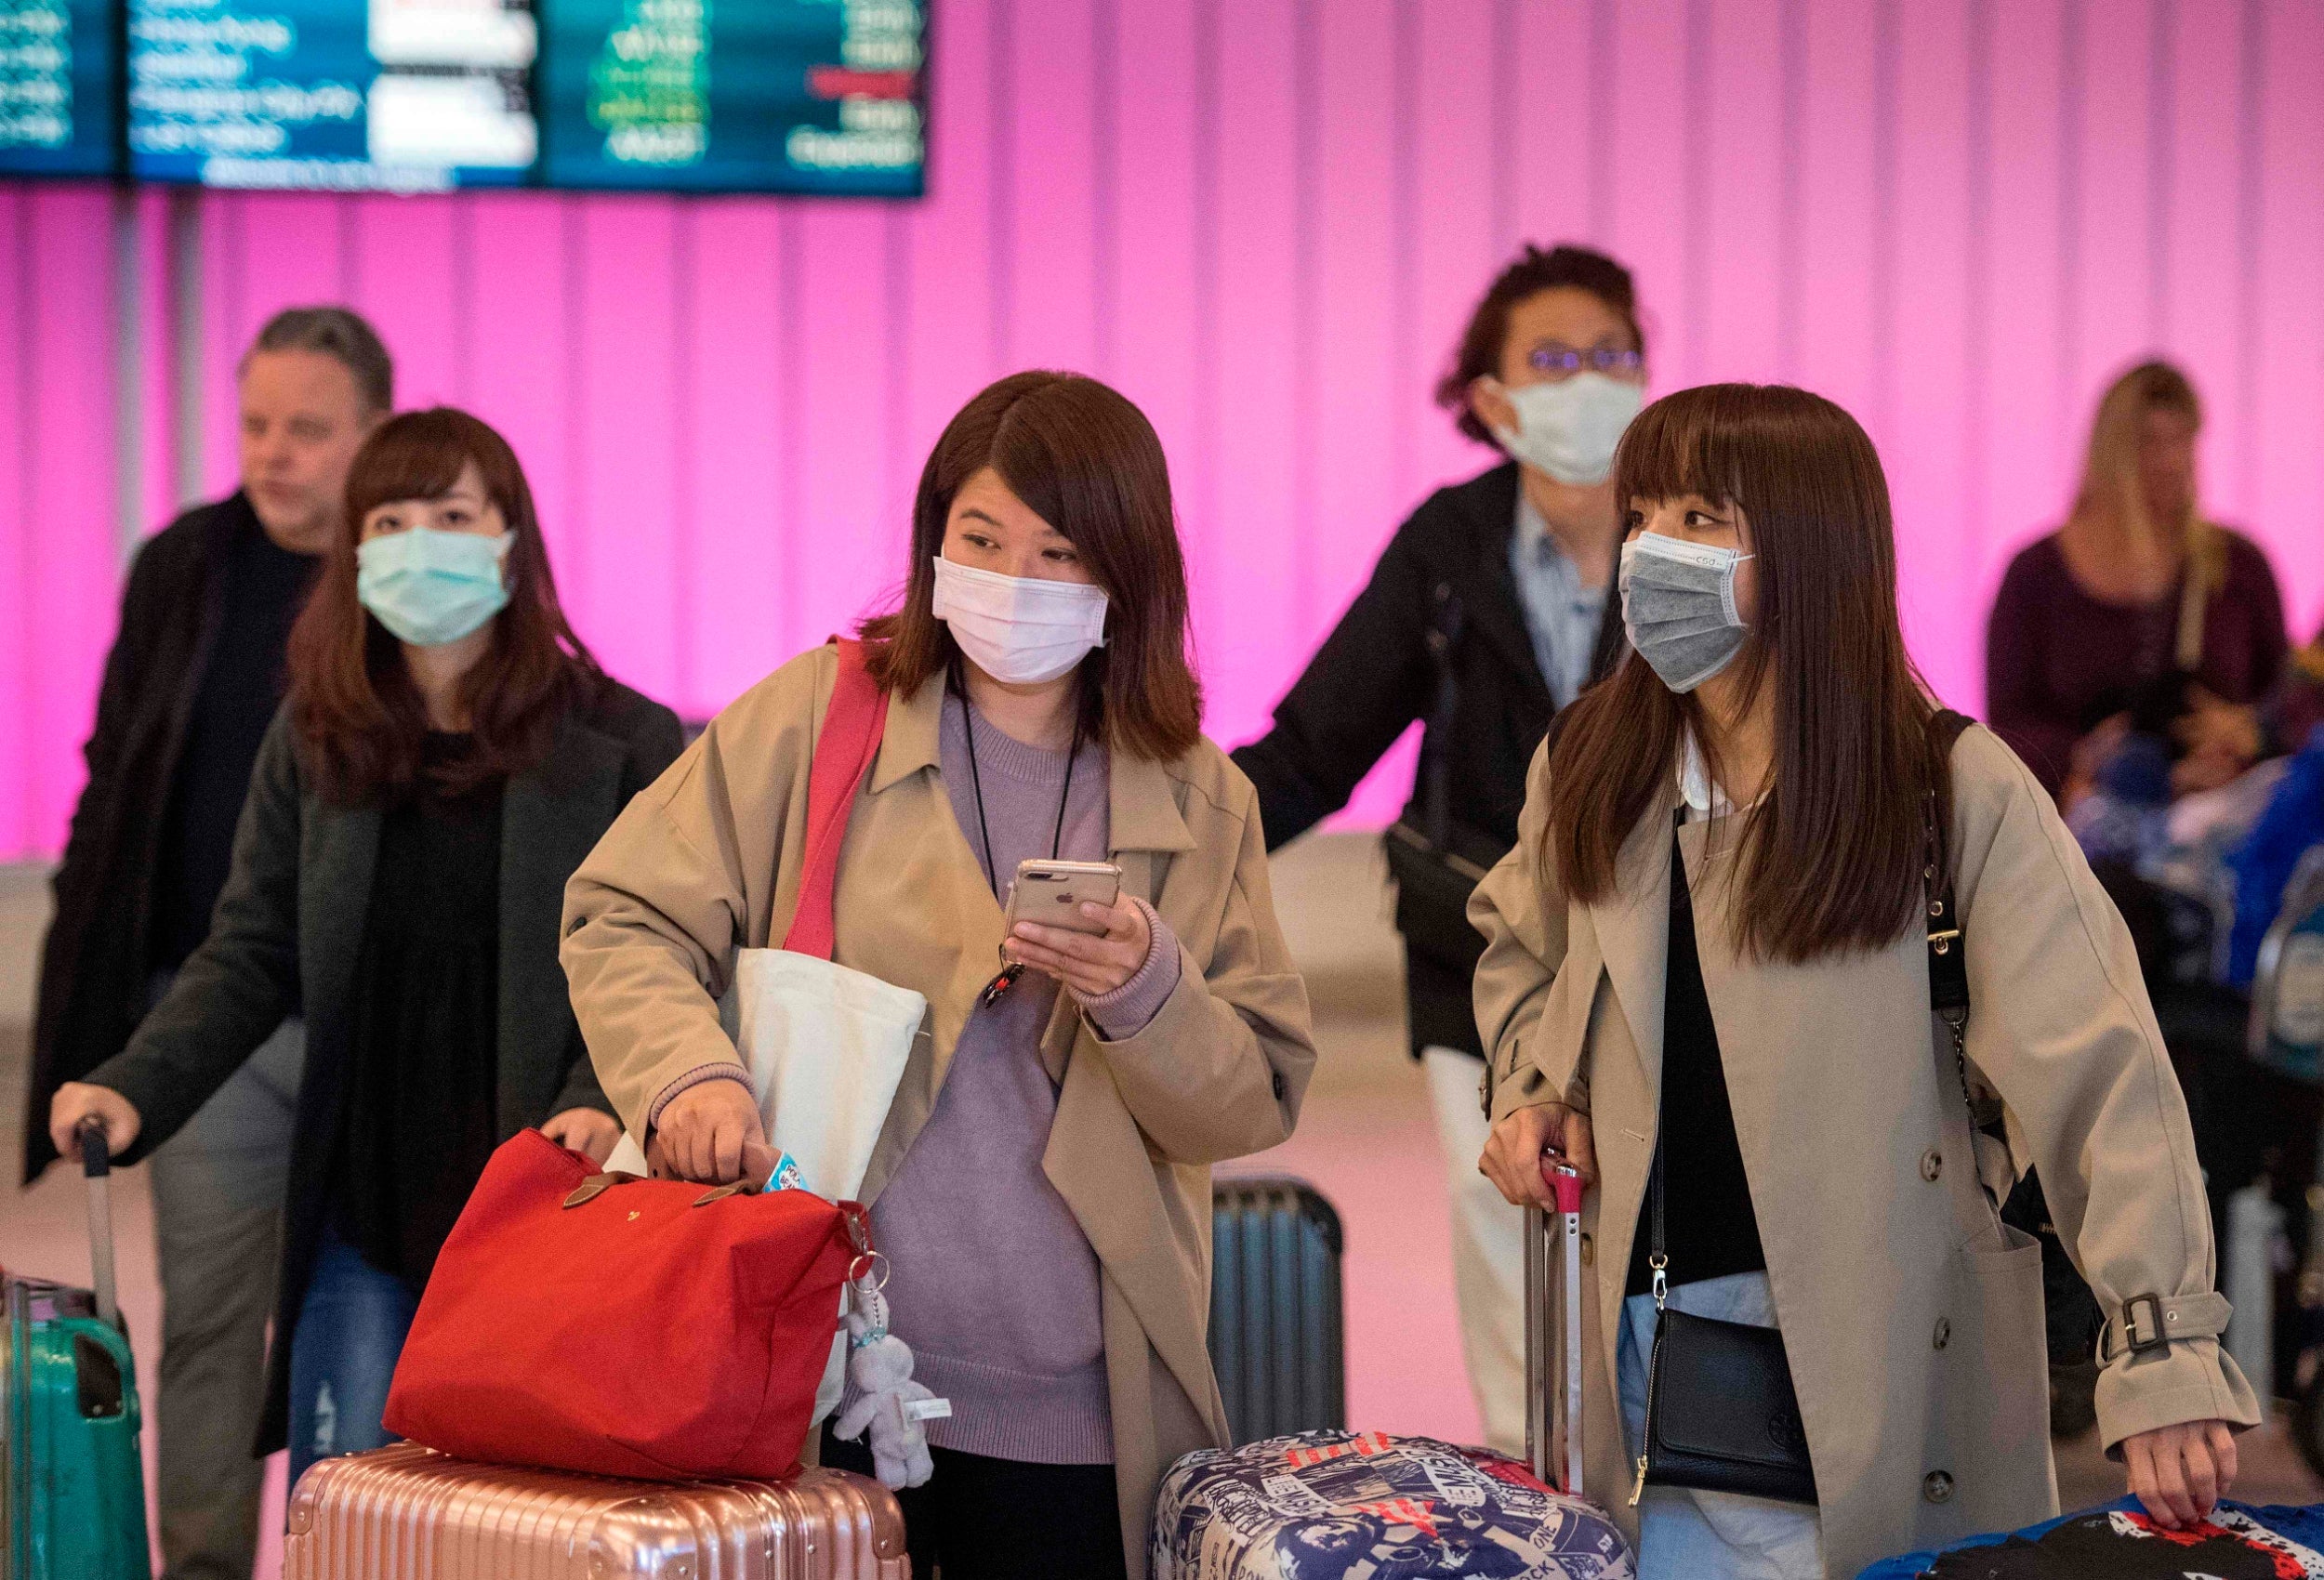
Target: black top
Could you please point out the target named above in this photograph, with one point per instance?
(1374, 676)
(1710, 1228)
(242, 686)
(420, 1121)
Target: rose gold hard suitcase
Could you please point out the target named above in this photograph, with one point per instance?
(405, 1512)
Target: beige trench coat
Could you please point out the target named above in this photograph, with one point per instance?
(707, 859)
(1912, 1316)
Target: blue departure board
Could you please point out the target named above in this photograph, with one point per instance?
(333, 94)
(59, 87)
(785, 96)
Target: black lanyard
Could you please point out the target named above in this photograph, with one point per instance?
(1010, 969)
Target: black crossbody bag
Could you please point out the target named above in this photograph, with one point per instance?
(1721, 1414)
(1438, 864)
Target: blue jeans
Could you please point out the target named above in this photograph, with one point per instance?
(350, 1330)
(1684, 1535)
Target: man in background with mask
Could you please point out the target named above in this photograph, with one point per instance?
(194, 678)
(1487, 614)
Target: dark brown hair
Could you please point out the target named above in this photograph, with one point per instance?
(1086, 461)
(1831, 859)
(359, 718)
(1479, 354)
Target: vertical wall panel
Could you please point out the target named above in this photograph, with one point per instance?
(1837, 206)
(1245, 564)
(2027, 432)
(1264, 219)
(1923, 447)
(948, 345)
(2111, 298)
(1739, 232)
(733, 452)
(68, 554)
(2203, 281)
(1049, 190)
(2288, 428)
(621, 596)
(1456, 241)
(399, 260)
(1556, 132)
(21, 766)
(1649, 228)
(851, 548)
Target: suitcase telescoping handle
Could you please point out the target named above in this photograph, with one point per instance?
(96, 1162)
(1553, 1400)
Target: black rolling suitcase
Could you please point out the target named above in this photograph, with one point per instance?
(1275, 1315)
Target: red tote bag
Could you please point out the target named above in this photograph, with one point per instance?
(622, 1326)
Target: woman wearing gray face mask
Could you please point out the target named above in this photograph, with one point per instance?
(1708, 982)
(1486, 613)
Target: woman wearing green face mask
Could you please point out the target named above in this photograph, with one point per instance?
(449, 752)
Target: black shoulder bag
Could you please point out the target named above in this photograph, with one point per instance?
(1439, 865)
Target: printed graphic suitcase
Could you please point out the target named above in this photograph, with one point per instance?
(1275, 1322)
(405, 1512)
(73, 1504)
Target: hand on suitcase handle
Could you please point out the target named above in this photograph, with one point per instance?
(80, 1102)
(1525, 1138)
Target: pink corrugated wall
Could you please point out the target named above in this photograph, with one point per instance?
(1263, 220)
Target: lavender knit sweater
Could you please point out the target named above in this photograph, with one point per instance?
(994, 1286)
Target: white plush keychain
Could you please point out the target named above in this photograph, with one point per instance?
(889, 1402)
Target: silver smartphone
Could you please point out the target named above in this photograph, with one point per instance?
(1053, 892)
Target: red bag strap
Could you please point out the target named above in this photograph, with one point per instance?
(844, 755)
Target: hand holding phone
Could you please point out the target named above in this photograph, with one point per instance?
(1053, 892)
(1051, 927)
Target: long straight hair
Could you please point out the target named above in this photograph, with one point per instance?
(1831, 857)
(1085, 460)
(360, 720)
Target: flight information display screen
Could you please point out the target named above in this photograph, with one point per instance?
(786, 95)
(333, 94)
(59, 87)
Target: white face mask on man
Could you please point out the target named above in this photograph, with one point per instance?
(1569, 429)
(1020, 630)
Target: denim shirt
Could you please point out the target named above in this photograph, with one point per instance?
(1562, 614)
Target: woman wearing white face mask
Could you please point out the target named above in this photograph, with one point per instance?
(1487, 614)
(448, 752)
(1776, 935)
(1041, 1188)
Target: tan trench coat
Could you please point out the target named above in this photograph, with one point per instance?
(1912, 1316)
(707, 859)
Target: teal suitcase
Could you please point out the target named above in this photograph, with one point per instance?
(74, 1507)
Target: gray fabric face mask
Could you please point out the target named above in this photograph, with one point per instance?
(1678, 605)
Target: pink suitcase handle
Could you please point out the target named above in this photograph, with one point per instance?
(1547, 1427)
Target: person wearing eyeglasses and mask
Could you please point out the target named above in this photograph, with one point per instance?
(1781, 947)
(1041, 1188)
(448, 753)
(1486, 613)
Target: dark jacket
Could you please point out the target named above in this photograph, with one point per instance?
(1374, 676)
(289, 928)
(94, 964)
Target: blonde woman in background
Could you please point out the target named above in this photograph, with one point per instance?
(2137, 613)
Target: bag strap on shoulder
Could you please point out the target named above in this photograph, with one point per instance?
(844, 753)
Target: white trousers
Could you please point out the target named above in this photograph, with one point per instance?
(1488, 1246)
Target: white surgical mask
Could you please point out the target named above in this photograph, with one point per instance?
(1019, 629)
(430, 587)
(1569, 429)
(1678, 605)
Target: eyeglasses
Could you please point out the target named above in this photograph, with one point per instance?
(1562, 361)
